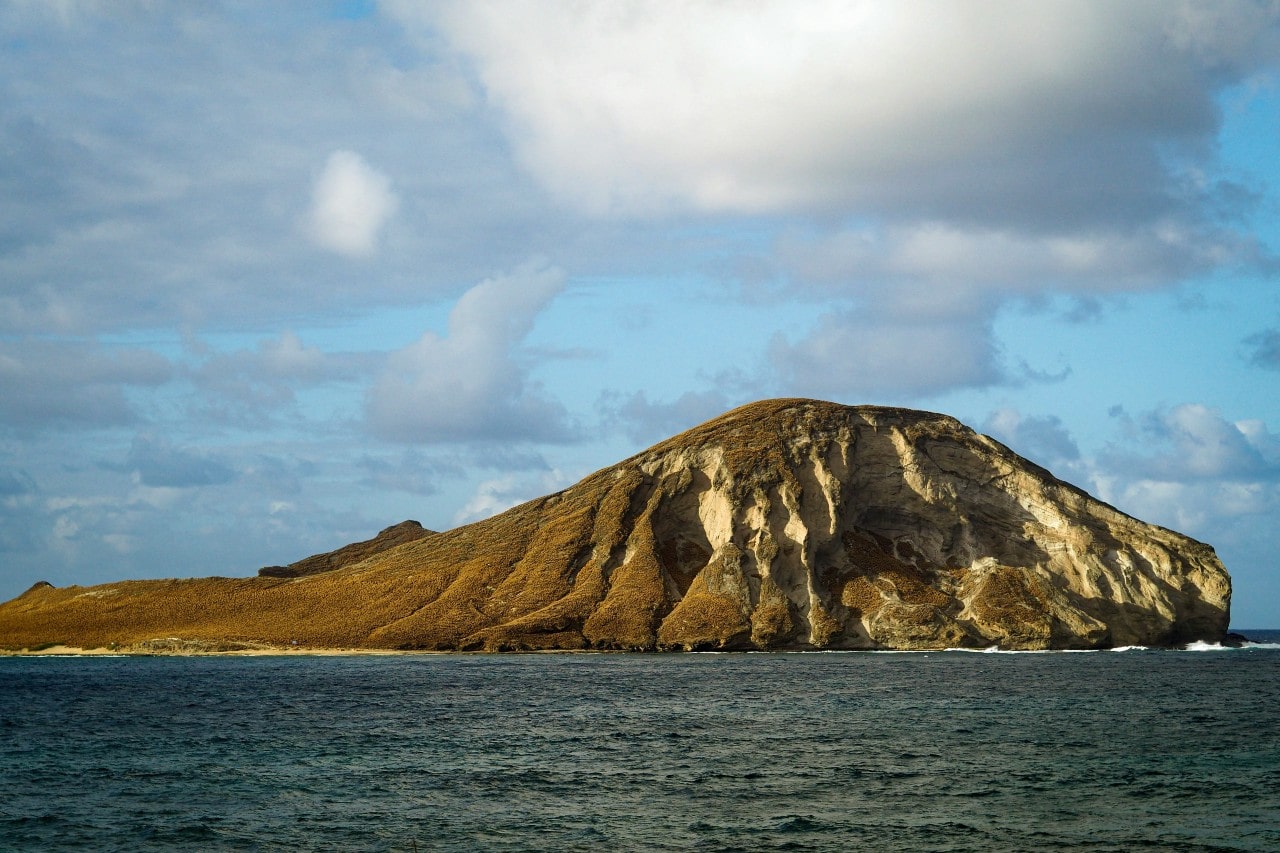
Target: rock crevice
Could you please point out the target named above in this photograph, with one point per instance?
(787, 524)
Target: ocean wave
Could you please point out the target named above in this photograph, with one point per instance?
(996, 650)
(1202, 646)
(504, 753)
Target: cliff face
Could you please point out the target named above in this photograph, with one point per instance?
(783, 524)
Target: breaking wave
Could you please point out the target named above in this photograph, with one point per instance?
(1202, 646)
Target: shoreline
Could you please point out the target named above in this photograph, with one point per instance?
(276, 651)
(197, 649)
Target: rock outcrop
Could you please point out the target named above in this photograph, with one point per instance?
(785, 524)
(397, 534)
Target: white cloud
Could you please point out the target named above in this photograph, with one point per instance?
(1193, 470)
(351, 202)
(472, 384)
(282, 359)
(981, 111)
(1042, 439)
(1192, 442)
(502, 493)
(288, 356)
(925, 294)
(881, 358)
(1194, 508)
(1206, 445)
(920, 259)
(490, 498)
(1262, 440)
(948, 158)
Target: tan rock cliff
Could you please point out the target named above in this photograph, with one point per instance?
(785, 524)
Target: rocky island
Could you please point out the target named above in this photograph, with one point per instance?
(784, 524)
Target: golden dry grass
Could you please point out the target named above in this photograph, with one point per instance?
(771, 622)
(614, 562)
(398, 534)
(877, 571)
(582, 568)
(1013, 603)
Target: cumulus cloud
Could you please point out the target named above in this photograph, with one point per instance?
(948, 162)
(1191, 508)
(1193, 442)
(501, 493)
(926, 261)
(73, 383)
(472, 383)
(282, 358)
(1041, 438)
(350, 203)
(926, 293)
(158, 169)
(1043, 113)
(883, 357)
(288, 358)
(1189, 468)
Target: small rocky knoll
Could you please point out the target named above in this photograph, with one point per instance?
(785, 524)
(398, 534)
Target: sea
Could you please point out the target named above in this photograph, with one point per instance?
(1132, 750)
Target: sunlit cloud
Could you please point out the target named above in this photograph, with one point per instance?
(471, 383)
(351, 202)
(495, 495)
(1192, 441)
(997, 113)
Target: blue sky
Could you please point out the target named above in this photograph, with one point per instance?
(275, 276)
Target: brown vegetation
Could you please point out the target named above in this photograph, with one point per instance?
(398, 534)
(784, 524)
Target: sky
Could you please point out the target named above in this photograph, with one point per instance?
(275, 276)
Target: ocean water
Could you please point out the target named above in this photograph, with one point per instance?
(943, 751)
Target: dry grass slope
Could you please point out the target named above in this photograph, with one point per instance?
(405, 531)
(783, 524)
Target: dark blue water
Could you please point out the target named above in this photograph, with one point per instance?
(1107, 751)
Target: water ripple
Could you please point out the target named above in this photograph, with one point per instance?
(1137, 751)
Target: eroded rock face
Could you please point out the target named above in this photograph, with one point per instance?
(803, 524)
(783, 524)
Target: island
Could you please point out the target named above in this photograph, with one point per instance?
(785, 524)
